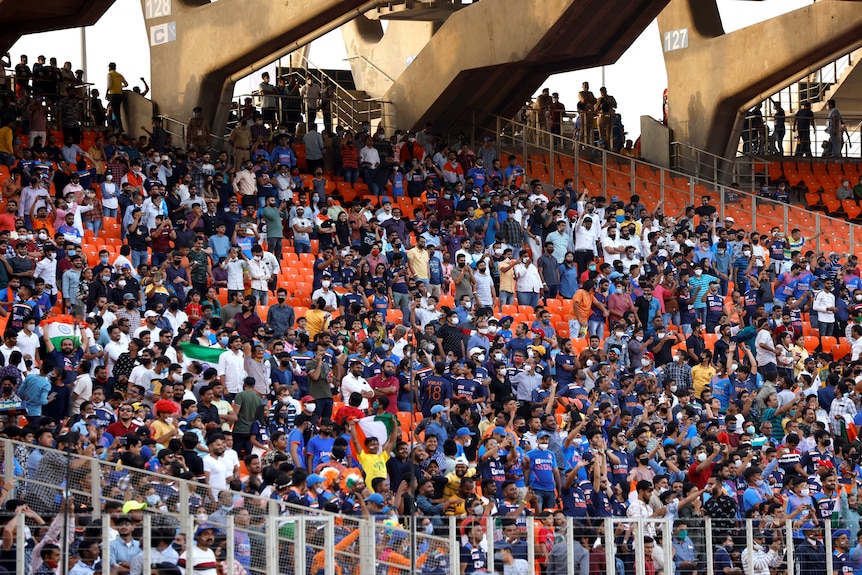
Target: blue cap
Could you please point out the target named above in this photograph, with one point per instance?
(506, 318)
(542, 434)
(499, 430)
(437, 409)
(463, 431)
(375, 498)
(500, 545)
(314, 479)
(203, 527)
(807, 526)
(839, 532)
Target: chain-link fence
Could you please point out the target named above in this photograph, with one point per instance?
(141, 520)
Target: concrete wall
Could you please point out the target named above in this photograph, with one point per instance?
(655, 142)
(492, 55)
(212, 41)
(716, 75)
(389, 52)
(138, 111)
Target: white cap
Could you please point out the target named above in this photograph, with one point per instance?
(109, 177)
(151, 313)
(475, 350)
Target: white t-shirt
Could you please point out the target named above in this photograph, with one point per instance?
(764, 356)
(218, 473)
(203, 561)
(350, 384)
(28, 344)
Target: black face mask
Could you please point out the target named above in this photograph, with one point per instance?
(130, 305)
(174, 305)
(244, 309)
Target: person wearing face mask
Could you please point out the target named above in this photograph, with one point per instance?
(528, 281)
(46, 269)
(166, 426)
(198, 134)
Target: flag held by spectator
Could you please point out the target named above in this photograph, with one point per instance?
(379, 426)
(60, 327)
(202, 352)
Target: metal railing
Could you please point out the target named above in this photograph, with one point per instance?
(178, 129)
(372, 66)
(346, 109)
(279, 538)
(610, 174)
(852, 137)
(701, 164)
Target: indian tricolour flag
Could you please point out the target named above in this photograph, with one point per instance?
(379, 426)
(202, 353)
(60, 327)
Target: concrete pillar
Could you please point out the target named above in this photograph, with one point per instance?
(714, 77)
(195, 46)
(488, 57)
(378, 58)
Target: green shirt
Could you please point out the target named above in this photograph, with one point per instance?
(318, 388)
(199, 270)
(248, 401)
(272, 217)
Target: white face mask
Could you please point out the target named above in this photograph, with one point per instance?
(480, 358)
(645, 362)
(501, 372)
(122, 283)
(482, 330)
(639, 338)
(589, 362)
(326, 283)
(454, 320)
(468, 304)
(673, 389)
(660, 334)
(619, 334)
(498, 356)
(701, 456)
(746, 253)
(698, 272)
(542, 446)
(169, 420)
(528, 368)
(319, 489)
(804, 492)
(310, 406)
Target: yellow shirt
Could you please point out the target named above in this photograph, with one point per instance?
(160, 429)
(115, 82)
(418, 260)
(6, 140)
(374, 465)
(700, 377)
(315, 322)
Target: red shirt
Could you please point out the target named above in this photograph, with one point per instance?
(117, 429)
(378, 382)
(700, 478)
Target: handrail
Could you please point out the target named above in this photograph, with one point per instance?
(683, 155)
(562, 145)
(285, 543)
(818, 134)
(221, 140)
(374, 66)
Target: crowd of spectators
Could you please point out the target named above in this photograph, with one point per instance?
(527, 352)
